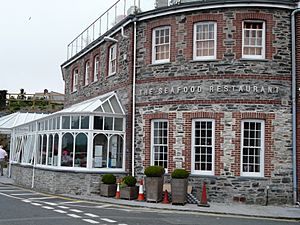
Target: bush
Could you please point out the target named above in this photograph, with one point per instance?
(129, 181)
(180, 174)
(154, 171)
(108, 179)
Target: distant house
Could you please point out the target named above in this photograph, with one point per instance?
(51, 96)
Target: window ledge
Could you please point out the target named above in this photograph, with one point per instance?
(250, 59)
(204, 60)
(111, 75)
(203, 176)
(251, 178)
(160, 64)
(73, 92)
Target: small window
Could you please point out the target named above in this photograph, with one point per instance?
(98, 122)
(159, 143)
(112, 60)
(161, 45)
(87, 73)
(252, 155)
(66, 122)
(75, 80)
(96, 68)
(253, 39)
(205, 40)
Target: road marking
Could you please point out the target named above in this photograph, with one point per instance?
(63, 207)
(10, 190)
(36, 204)
(103, 206)
(59, 211)
(47, 207)
(91, 215)
(50, 203)
(74, 215)
(76, 210)
(20, 194)
(108, 220)
(90, 221)
(25, 200)
(41, 198)
(122, 224)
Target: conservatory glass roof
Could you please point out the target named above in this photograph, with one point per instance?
(7, 123)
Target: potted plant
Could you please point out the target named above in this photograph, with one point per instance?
(179, 183)
(108, 186)
(154, 183)
(128, 188)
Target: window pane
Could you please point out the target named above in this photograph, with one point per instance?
(75, 122)
(85, 120)
(115, 159)
(108, 123)
(98, 122)
(118, 124)
(44, 149)
(66, 122)
(67, 150)
(55, 150)
(100, 151)
(160, 143)
(80, 150)
(50, 150)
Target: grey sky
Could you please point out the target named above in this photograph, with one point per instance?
(34, 38)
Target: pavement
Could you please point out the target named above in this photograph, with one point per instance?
(231, 209)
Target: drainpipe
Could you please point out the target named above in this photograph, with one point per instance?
(133, 99)
(294, 91)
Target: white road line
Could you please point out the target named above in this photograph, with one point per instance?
(50, 203)
(26, 200)
(59, 211)
(122, 224)
(74, 215)
(90, 221)
(91, 215)
(73, 202)
(10, 190)
(103, 206)
(20, 194)
(36, 204)
(108, 220)
(63, 207)
(41, 198)
(47, 207)
(76, 210)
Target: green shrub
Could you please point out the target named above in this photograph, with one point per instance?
(129, 181)
(154, 171)
(180, 174)
(108, 179)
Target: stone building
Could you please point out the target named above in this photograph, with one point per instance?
(214, 86)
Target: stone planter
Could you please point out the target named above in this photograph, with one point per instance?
(129, 192)
(179, 190)
(154, 188)
(108, 190)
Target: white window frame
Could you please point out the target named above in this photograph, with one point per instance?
(96, 68)
(86, 73)
(203, 172)
(112, 60)
(74, 80)
(262, 152)
(154, 45)
(152, 141)
(263, 51)
(214, 56)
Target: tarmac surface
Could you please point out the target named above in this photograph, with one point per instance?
(236, 209)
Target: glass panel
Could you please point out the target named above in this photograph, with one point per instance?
(98, 122)
(80, 150)
(107, 107)
(75, 122)
(100, 151)
(66, 122)
(58, 123)
(85, 120)
(50, 153)
(115, 159)
(108, 123)
(44, 149)
(67, 150)
(119, 124)
(55, 150)
(115, 105)
(39, 149)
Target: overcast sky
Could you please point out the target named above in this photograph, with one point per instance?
(34, 37)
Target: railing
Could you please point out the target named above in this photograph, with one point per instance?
(116, 13)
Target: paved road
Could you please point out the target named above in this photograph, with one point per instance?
(25, 207)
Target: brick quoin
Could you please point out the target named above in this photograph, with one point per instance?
(188, 117)
(269, 142)
(269, 24)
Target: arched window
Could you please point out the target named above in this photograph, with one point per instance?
(96, 68)
(67, 150)
(100, 151)
(44, 150)
(87, 73)
(115, 159)
(74, 80)
(50, 150)
(80, 150)
(39, 150)
(55, 150)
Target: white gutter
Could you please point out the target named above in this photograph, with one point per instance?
(133, 99)
(294, 109)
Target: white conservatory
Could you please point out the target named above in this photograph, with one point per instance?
(89, 136)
